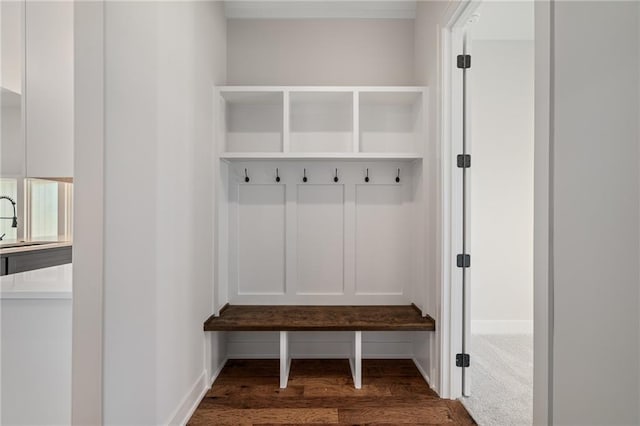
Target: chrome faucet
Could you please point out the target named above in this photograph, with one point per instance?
(14, 219)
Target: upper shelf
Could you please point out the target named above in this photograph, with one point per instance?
(319, 156)
(319, 122)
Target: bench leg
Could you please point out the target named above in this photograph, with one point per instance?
(356, 361)
(285, 359)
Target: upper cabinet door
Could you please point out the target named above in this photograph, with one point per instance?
(12, 151)
(49, 88)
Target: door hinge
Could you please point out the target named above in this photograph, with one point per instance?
(463, 260)
(464, 61)
(462, 360)
(464, 161)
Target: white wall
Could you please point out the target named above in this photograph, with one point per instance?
(501, 219)
(595, 212)
(161, 61)
(320, 52)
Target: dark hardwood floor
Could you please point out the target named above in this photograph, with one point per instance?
(321, 392)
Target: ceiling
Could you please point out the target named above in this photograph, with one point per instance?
(300, 9)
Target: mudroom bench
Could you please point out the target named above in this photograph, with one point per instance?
(286, 318)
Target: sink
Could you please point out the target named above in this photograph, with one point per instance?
(25, 244)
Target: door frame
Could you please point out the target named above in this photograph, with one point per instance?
(452, 218)
(450, 146)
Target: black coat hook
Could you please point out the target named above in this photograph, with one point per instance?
(246, 176)
(277, 175)
(398, 176)
(335, 178)
(304, 175)
(366, 178)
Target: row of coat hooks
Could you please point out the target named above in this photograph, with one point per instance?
(305, 179)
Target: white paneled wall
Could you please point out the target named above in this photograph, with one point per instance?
(259, 212)
(383, 251)
(320, 241)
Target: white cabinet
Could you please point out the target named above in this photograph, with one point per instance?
(11, 141)
(35, 357)
(49, 88)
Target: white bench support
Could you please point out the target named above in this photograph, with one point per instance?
(285, 359)
(356, 360)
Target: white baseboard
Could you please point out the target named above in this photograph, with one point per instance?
(190, 402)
(423, 372)
(501, 327)
(425, 376)
(217, 372)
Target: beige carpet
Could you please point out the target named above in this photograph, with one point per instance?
(501, 380)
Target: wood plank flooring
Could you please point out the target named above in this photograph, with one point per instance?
(320, 318)
(321, 392)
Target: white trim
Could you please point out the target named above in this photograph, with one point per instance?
(320, 10)
(88, 215)
(319, 156)
(446, 349)
(502, 327)
(424, 374)
(285, 359)
(451, 376)
(356, 122)
(217, 372)
(189, 402)
(286, 122)
(297, 89)
(542, 232)
(355, 362)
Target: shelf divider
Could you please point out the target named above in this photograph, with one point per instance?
(286, 122)
(356, 121)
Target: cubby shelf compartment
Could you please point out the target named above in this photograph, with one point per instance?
(391, 122)
(253, 121)
(321, 121)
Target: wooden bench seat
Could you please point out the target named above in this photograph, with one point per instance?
(286, 318)
(320, 318)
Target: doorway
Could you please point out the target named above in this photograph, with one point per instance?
(495, 205)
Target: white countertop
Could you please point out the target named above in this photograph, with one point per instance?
(47, 283)
(44, 246)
